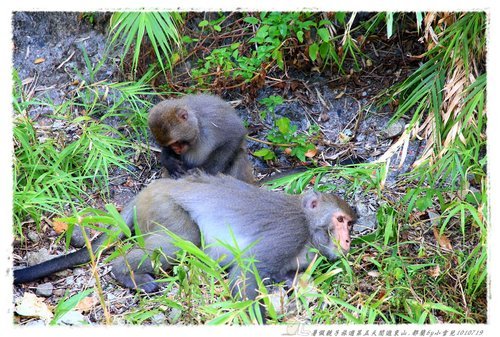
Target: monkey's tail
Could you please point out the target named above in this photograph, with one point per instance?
(57, 264)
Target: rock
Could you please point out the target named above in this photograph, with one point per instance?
(45, 289)
(38, 257)
(393, 130)
(70, 281)
(174, 315)
(36, 323)
(77, 239)
(73, 318)
(158, 319)
(59, 292)
(280, 300)
(33, 236)
(365, 224)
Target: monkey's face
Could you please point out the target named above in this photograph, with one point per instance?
(175, 127)
(331, 220)
(179, 147)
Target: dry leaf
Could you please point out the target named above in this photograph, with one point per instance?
(32, 306)
(340, 95)
(288, 151)
(87, 304)
(59, 226)
(443, 241)
(434, 272)
(373, 273)
(39, 60)
(311, 153)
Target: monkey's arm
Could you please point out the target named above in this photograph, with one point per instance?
(172, 162)
(222, 159)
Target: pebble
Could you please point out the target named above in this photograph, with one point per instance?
(33, 236)
(174, 315)
(45, 289)
(38, 257)
(73, 318)
(393, 130)
(158, 319)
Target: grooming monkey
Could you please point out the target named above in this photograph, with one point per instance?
(280, 229)
(200, 131)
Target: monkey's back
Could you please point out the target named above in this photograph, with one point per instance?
(229, 210)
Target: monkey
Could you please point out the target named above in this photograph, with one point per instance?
(200, 131)
(275, 228)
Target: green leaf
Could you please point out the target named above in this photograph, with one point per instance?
(340, 17)
(324, 34)
(251, 20)
(265, 154)
(283, 125)
(300, 36)
(283, 29)
(66, 305)
(423, 203)
(389, 19)
(323, 49)
(217, 28)
(203, 23)
(313, 51)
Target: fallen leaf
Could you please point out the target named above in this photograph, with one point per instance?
(373, 273)
(87, 304)
(340, 95)
(311, 153)
(442, 240)
(39, 60)
(32, 306)
(434, 272)
(288, 151)
(59, 226)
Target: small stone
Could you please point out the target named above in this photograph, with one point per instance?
(158, 319)
(33, 236)
(59, 292)
(38, 322)
(73, 318)
(38, 257)
(174, 315)
(394, 129)
(70, 280)
(45, 289)
(280, 300)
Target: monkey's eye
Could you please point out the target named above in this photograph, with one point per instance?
(350, 224)
(340, 218)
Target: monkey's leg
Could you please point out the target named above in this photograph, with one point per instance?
(135, 269)
(241, 168)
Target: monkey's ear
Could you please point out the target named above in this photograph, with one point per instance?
(311, 200)
(182, 114)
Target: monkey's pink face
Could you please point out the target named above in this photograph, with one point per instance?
(179, 147)
(341, 231)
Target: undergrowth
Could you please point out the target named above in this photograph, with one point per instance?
(426, 260)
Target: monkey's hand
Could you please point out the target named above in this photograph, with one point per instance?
(172, 163)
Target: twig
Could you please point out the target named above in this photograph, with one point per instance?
(269, 143)
(65, 61)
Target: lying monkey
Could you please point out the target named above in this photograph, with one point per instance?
(281, 228)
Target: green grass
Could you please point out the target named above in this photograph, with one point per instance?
(55, 170)
(160, 29)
